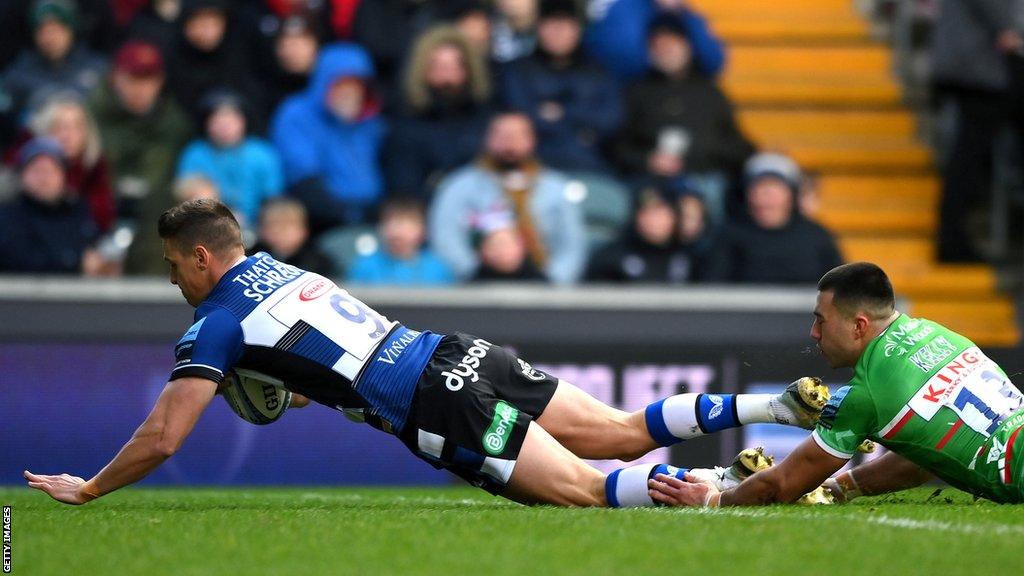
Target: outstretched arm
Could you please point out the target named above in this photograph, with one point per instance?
(802, 471)
(157, 439)
(890, 473)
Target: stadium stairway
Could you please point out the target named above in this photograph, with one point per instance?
(808, 80)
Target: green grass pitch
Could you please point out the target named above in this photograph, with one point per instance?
(255, 531)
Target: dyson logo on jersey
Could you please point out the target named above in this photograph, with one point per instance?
(265, 276)
(454, 380)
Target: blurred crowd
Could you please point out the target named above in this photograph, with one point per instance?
(394, 142)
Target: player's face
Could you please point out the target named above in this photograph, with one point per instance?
(835, 333)
(187, 273)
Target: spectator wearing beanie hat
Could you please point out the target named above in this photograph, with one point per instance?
(134, 108)
(245, 168)
(44, 230)
(56, 62)
(774, 243)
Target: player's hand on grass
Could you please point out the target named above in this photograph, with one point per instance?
(672, 491)
(62, 488)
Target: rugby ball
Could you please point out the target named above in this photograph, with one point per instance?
(255, 397)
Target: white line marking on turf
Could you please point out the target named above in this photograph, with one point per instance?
(881, 520)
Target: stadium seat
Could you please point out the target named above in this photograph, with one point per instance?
(345, 243)
(809, 81)
(606, 207)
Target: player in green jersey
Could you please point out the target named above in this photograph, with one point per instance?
(926, 393)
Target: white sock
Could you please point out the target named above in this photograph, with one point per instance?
(627, 487)
(754, 408)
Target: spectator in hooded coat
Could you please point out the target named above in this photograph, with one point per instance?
(330, 136)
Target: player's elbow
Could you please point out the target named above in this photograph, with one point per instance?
(167, 445)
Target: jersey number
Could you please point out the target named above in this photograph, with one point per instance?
(360, 315)
(984, 400)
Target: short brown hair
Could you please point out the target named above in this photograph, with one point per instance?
(202, 222)
(859, 286)
(402, 206)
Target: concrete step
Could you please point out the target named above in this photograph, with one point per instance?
(757, 9)
(838, 123)
(894, 158)
(838, 62)
(811, 92)
(888, 220)
(740, 29)
(915, 191)
(988, 322)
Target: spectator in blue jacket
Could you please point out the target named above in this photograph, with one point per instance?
(246, 169)
(617, 35)
(447, 91)
(509, 179)
(402, 260)
(44, 230)
(330, 136)
(574, 104)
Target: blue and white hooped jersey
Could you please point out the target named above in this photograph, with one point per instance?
(298, 327)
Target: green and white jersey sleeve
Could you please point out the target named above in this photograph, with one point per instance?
(847, 419)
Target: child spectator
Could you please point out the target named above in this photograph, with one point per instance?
(503, 256)
(246, 169)
(402, 260)
(195, 187)
(284, 234)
